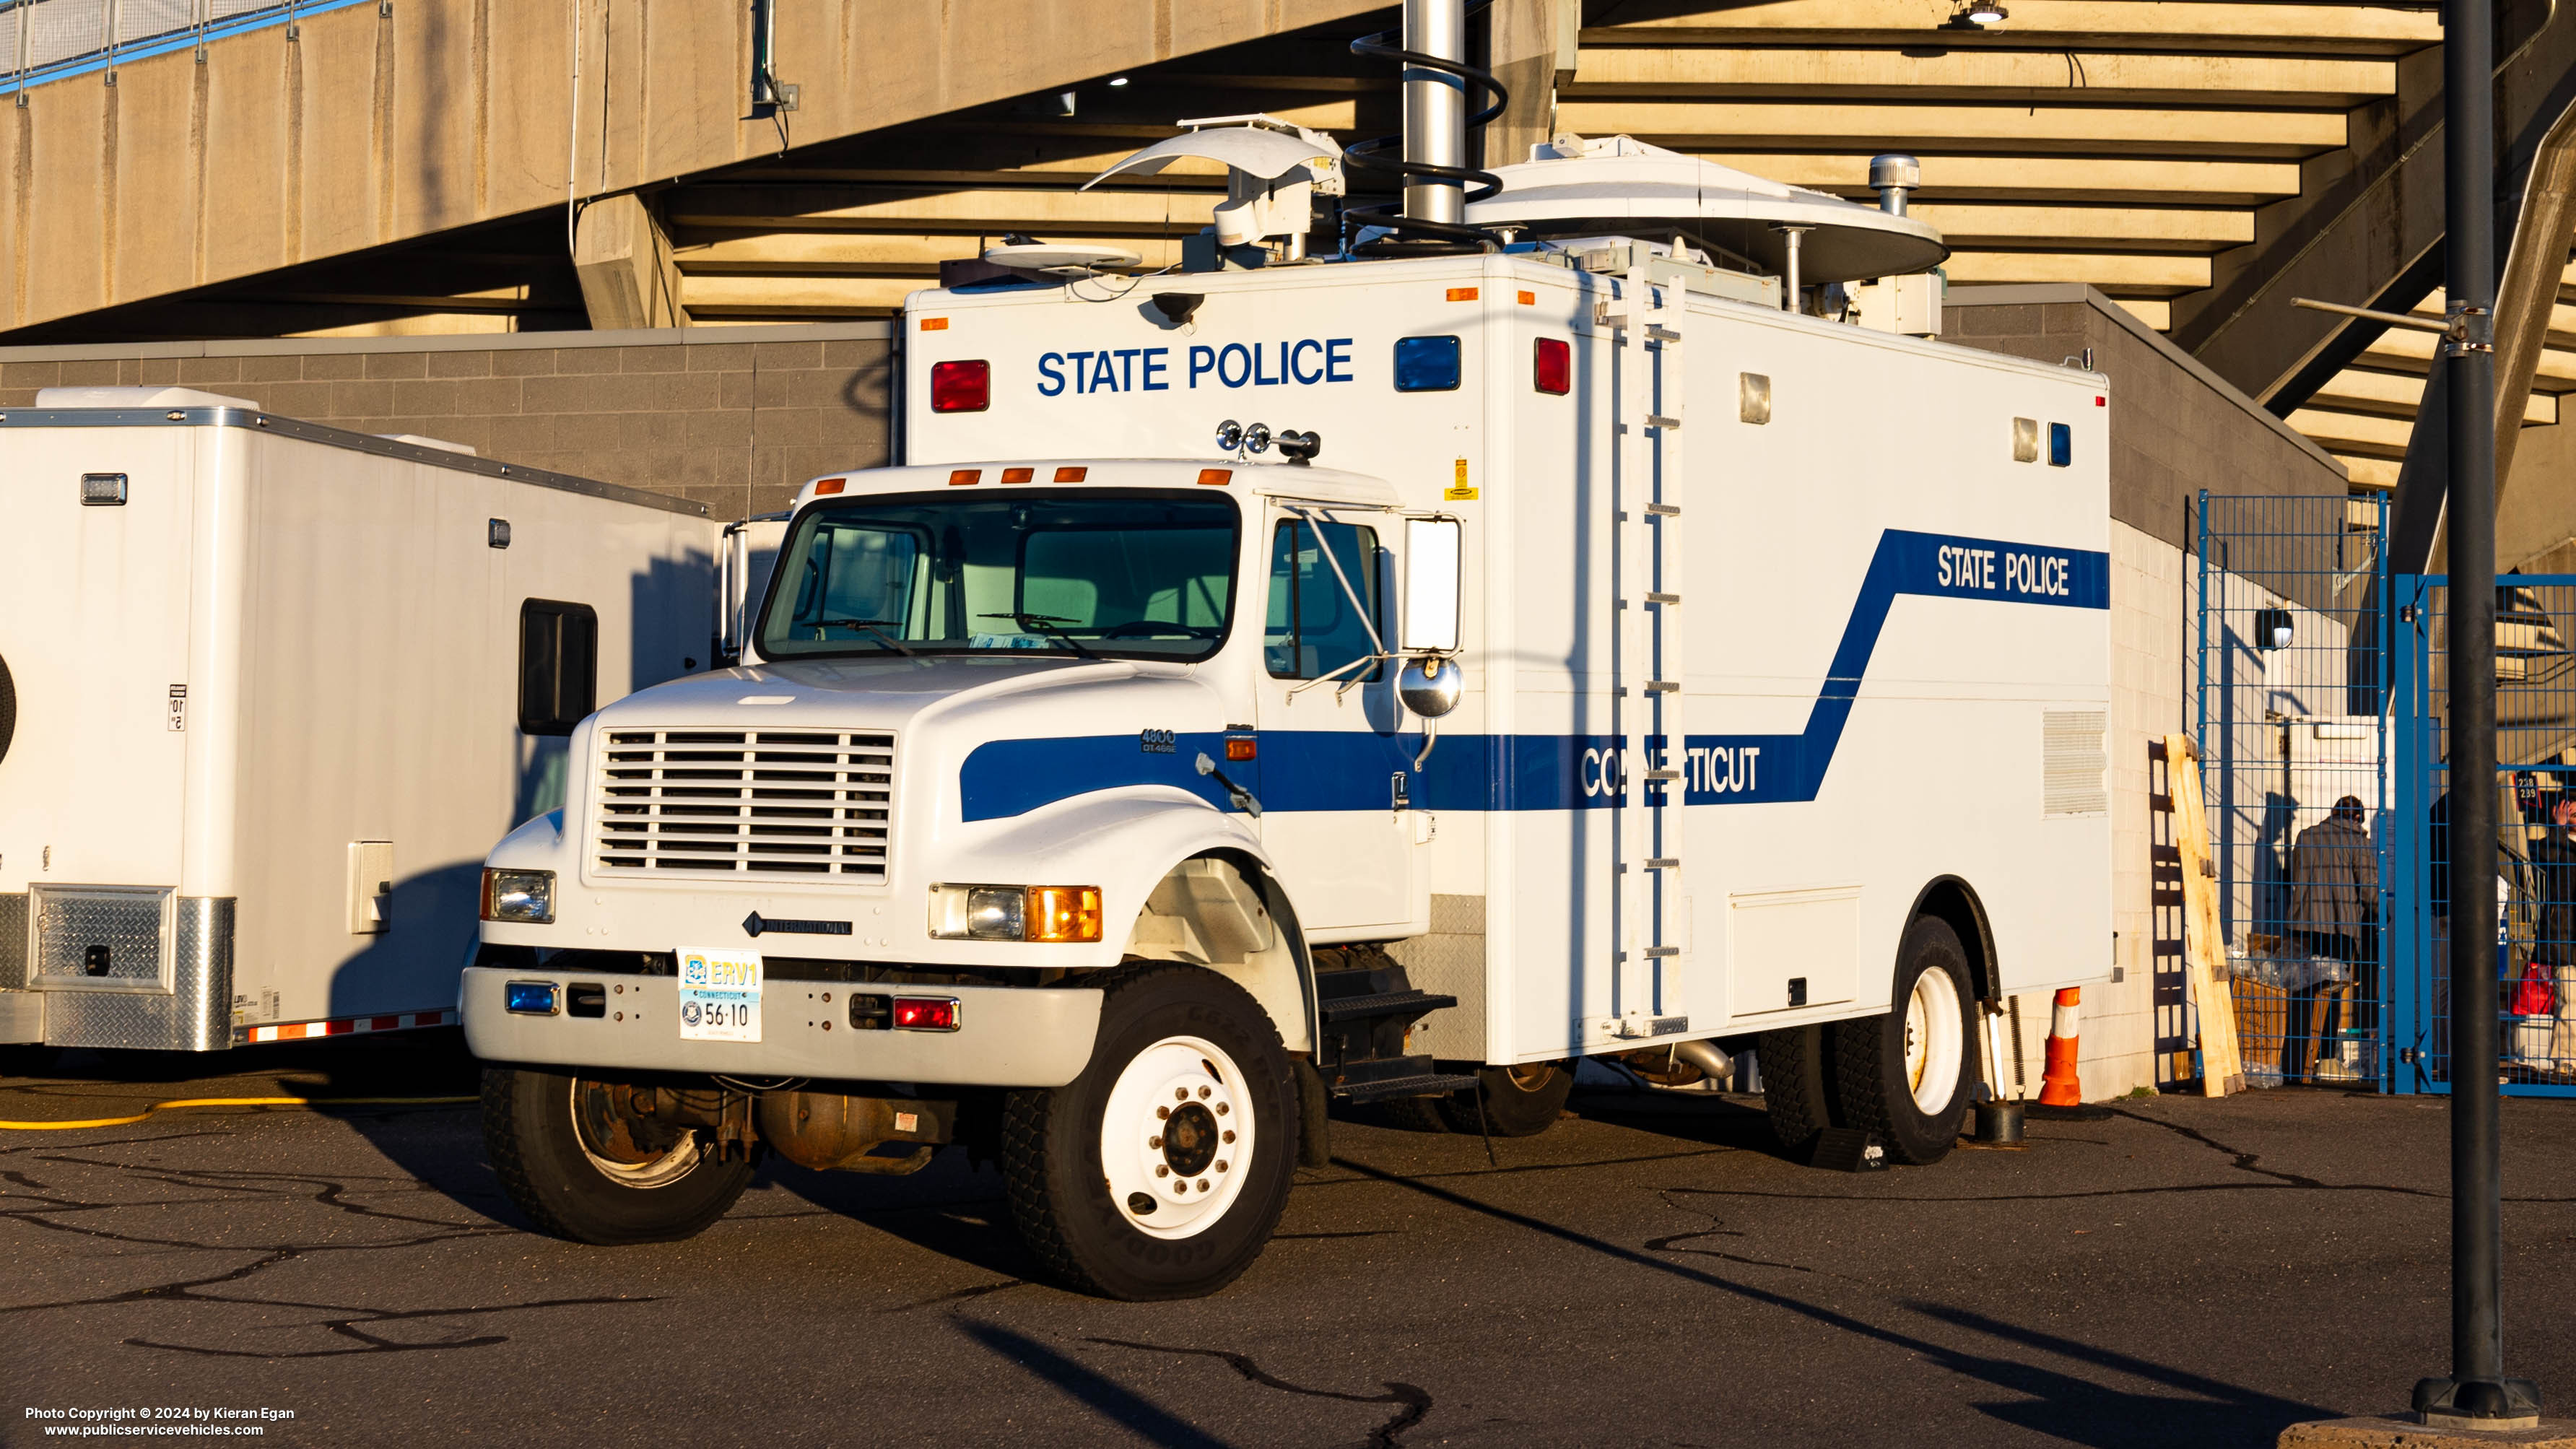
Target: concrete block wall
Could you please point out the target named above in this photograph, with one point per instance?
(2176, 429)
(736, 418)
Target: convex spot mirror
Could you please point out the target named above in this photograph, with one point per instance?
(1430, 685)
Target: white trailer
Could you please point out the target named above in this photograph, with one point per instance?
(1084, 790)
(267, 691)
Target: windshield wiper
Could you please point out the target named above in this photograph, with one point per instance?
(873, 626)
(1046, 624)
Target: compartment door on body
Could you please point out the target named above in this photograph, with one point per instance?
(96, 531)
(1331, 751)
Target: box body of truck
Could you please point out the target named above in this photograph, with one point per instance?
(273, 688)
(1886, 611)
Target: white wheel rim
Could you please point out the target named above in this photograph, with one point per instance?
(1178, 1104)
(662, 1171)
(1934, 1041)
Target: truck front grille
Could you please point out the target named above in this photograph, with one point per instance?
(729, 802)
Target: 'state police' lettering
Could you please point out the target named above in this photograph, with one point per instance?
(1306, 362)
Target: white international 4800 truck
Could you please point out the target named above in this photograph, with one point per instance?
(1658, 673)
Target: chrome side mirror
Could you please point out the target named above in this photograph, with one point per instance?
(1430, 685)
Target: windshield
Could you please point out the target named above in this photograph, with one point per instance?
(1124, 575)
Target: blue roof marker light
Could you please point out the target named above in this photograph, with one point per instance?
(2061, 445)
(1426, 364)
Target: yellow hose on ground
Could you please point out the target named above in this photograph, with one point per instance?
(172, 1106)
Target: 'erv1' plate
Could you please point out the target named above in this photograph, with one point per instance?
(720, 995)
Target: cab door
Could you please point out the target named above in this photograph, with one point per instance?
(1334, 763)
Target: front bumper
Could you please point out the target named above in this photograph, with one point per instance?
(1006, 1036)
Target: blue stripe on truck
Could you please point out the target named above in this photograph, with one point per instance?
(1300, 770)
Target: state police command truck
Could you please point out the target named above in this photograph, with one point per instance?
(1387, 679)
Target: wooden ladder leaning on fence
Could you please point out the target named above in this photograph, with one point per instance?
(2222, 1068)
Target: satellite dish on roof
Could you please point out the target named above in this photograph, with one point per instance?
(1274, 170)
(1059, 259)
(1618, 185)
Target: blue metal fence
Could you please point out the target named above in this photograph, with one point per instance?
(2289, 710)
(2534, 854)
(49, 40)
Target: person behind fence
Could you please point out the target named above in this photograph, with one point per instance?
(2334, 885)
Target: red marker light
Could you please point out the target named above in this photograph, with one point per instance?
(1552, 368)
(925, 1013)
(961, 387)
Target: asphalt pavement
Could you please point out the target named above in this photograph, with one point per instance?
(1648, 1272)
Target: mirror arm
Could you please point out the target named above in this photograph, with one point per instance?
(1344, 580)
(1430, 739)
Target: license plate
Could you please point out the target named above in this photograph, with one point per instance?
(720, 995)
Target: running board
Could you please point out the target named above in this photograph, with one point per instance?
(1377, 1081)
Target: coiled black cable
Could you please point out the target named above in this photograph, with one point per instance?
(1414, 236)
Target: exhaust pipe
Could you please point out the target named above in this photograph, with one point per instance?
(1435, 110)
(1706, 1056)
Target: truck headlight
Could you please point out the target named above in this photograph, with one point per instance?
(1015, 913)
(526, 896)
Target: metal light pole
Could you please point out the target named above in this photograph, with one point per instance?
(2476, 1394)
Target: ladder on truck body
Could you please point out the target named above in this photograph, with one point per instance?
(1650, 923)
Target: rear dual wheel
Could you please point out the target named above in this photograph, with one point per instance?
(1905, 1077)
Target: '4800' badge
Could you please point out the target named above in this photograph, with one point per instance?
(720, 995)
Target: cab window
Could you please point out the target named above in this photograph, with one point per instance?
(1312, 629)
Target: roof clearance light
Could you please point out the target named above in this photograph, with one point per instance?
(1426, 364)
(1552, 370)
(1216, 477)
(1018, 475)
(1462, 294)
(961, 387)
(1529, 298)
(934, 324)
(1071, 475)
(830, 485)
(965, 477)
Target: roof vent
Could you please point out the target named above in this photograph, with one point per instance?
(1892, 176)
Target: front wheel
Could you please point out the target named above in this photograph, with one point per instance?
(1161, 1170)
(1908, 1076)
(582, 1167)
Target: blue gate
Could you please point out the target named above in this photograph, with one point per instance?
(2535, 853)
(2290, 714)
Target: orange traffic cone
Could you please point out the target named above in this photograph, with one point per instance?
(2058, 1086)
(2061, 1095)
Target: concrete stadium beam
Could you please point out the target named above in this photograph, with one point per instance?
(376, 125)
(1980, 74)
(2001, 127)
(2051, 179)
(2365, 227)
(2174, 24)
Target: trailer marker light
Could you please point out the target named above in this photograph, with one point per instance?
(529, 998)
(1018, 475)
(1071, 475)
(830, 485)
(961, 387)
(964, 477)
(1426, 364)
(1529, 298)
(1242, 749)
(1552, 369)
(1462, 294)
(523, 896)
(1216, 477)
(1064, 913)
(925, 1013)
(934, 324)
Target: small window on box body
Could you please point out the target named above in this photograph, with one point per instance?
(558, 665)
